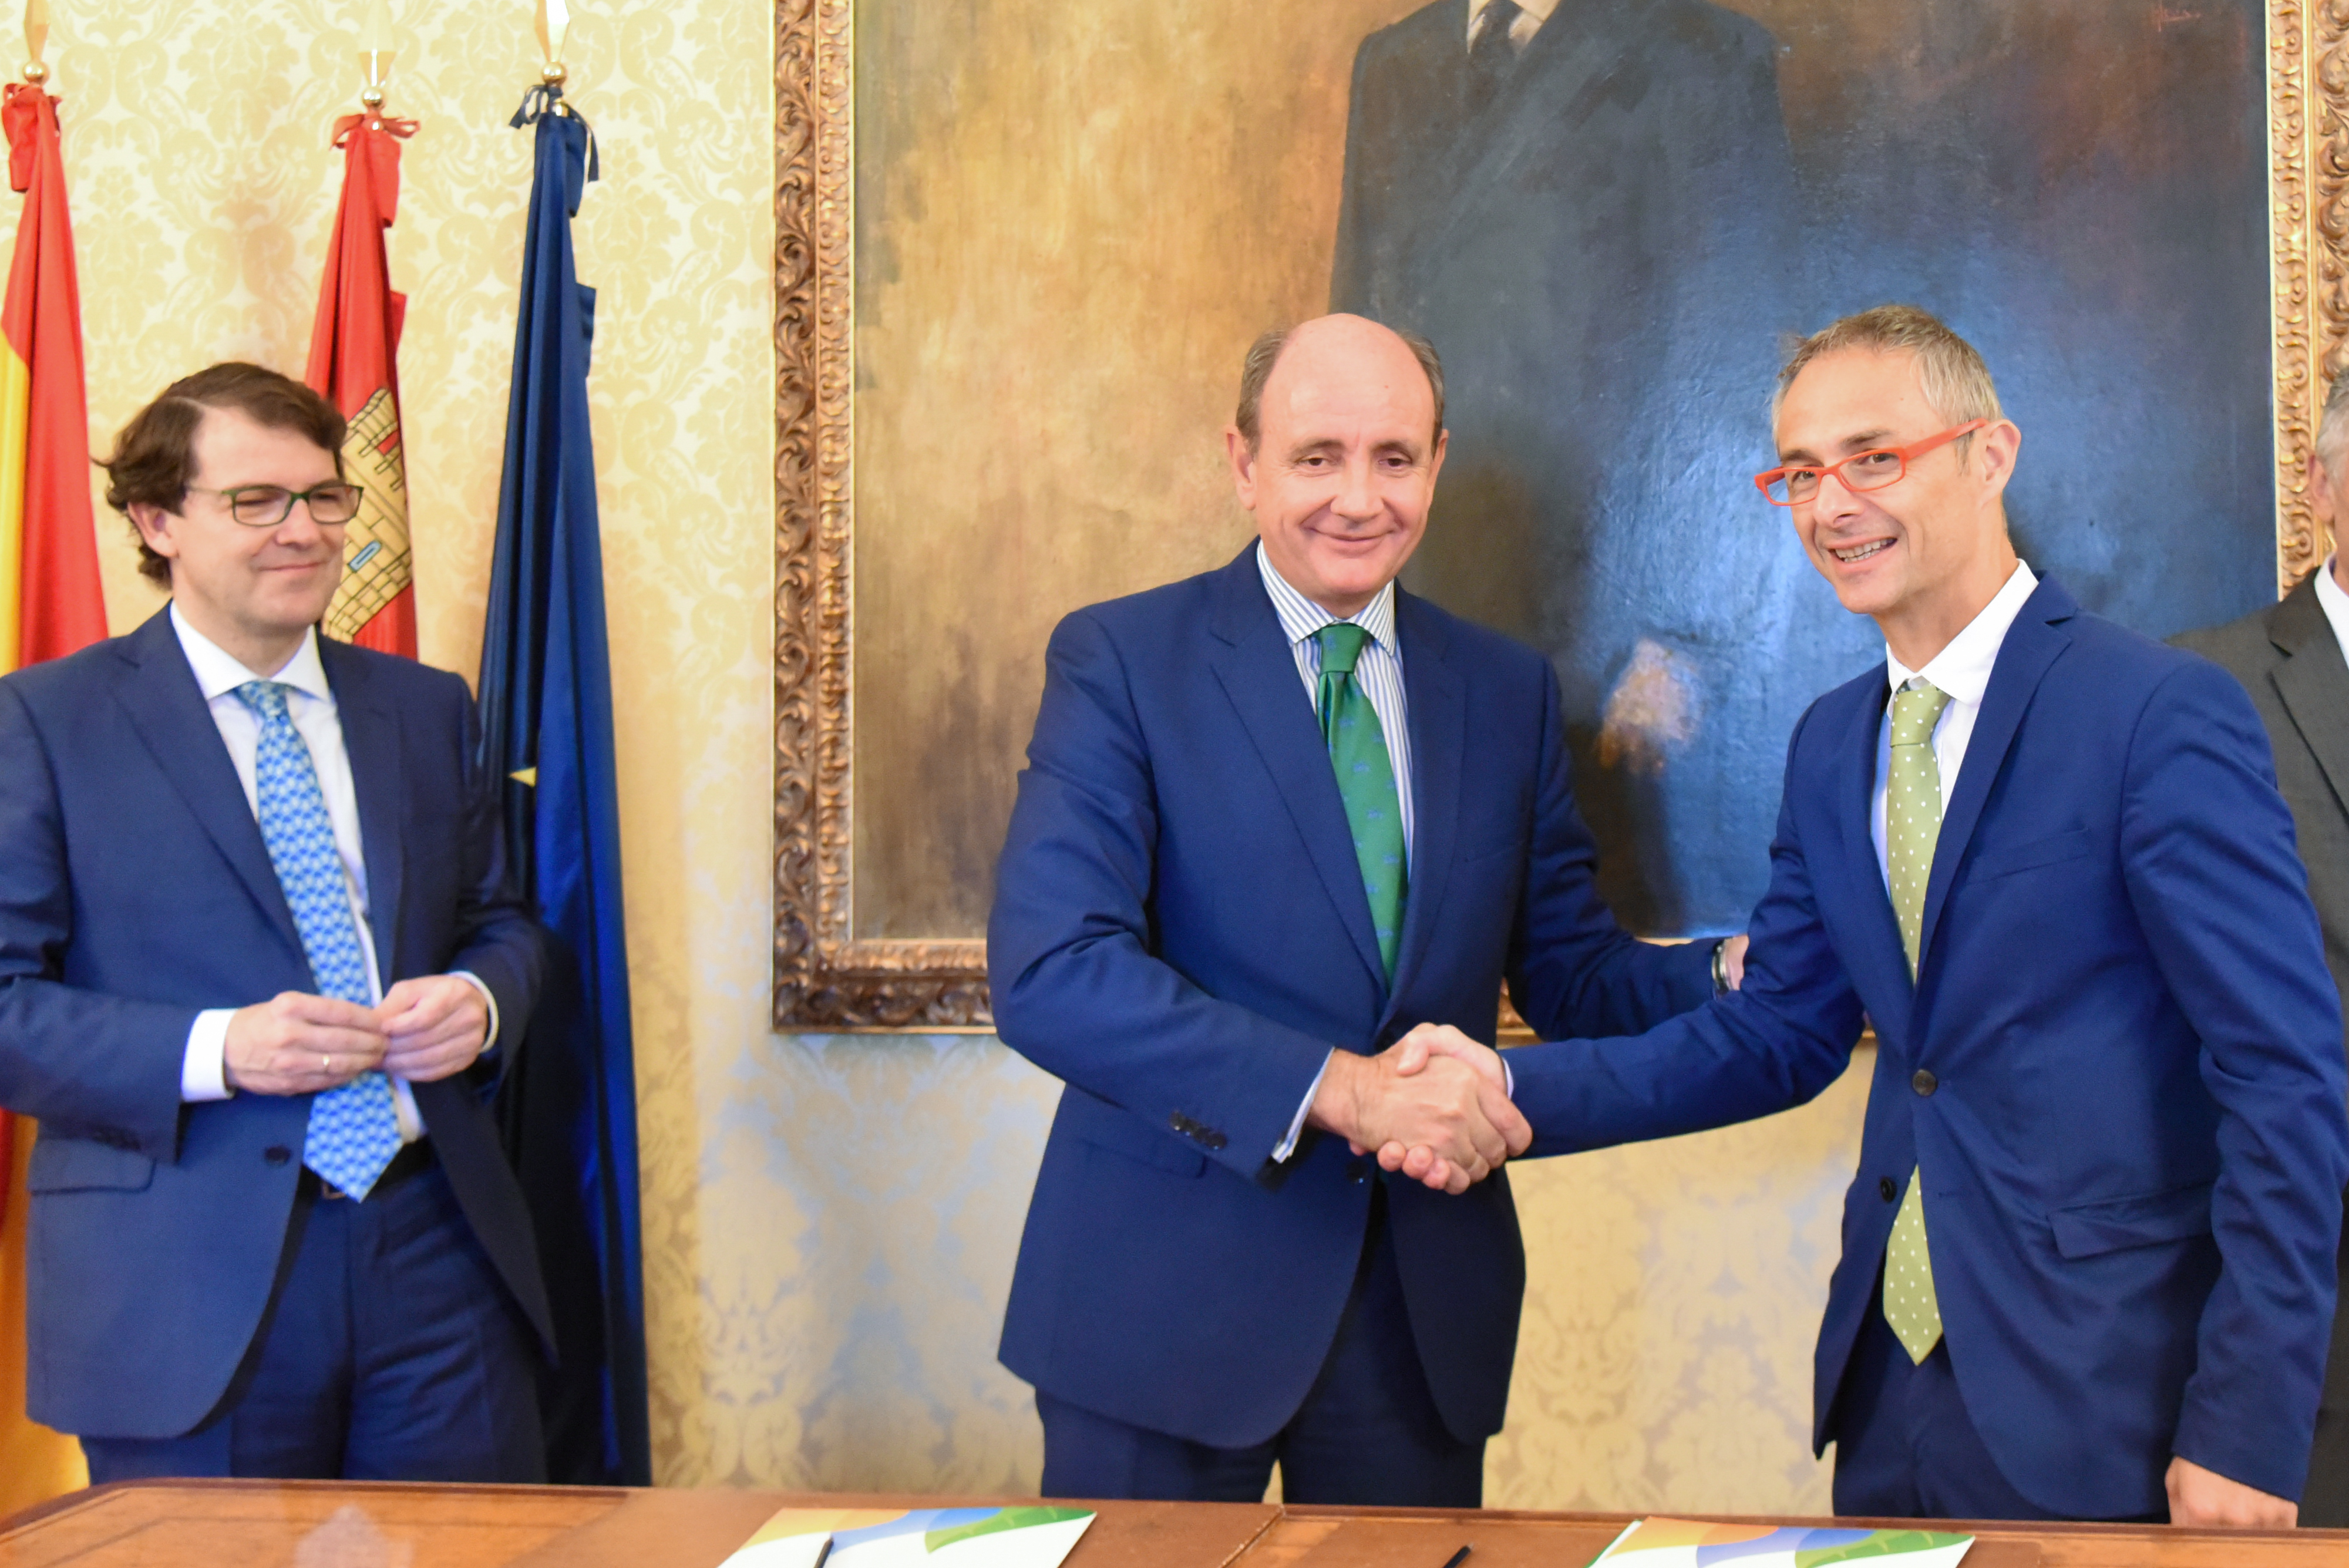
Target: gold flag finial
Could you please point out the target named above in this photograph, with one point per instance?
(37, 34)
(376, 53)
(554, 25)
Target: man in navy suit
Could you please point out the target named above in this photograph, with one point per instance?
(1273, 817)
(255, 942)
(2089, 1255)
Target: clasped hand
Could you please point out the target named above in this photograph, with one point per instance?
(1436, 1099)
(427, 1028)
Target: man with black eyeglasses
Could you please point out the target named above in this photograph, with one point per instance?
(258, 951)
(2088, 1263)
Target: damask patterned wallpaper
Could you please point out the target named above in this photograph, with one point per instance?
(829, 1222)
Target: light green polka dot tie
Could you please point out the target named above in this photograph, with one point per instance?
(1366, 782)
(1912, 823)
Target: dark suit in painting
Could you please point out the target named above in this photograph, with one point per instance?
(1600, 252)
(2289, 659)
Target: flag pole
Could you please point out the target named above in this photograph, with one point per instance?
(553, 27)
(375, 54)
(36, 35)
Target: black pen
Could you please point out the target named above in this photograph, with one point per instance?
(1456, 1558)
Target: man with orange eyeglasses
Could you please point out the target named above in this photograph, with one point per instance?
(2088, 1263)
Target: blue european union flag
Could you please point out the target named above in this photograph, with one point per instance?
(568, 1109)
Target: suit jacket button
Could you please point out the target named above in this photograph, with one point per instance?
(1886, 1190)
(277, 1154)
(1924, 1083)
(1179, 1122)
(1358, 1171)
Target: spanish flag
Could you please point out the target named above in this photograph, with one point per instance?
(50, 605)
(354, 364)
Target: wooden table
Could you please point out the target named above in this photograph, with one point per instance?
(305, 1524)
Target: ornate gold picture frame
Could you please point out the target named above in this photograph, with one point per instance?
(837, 967)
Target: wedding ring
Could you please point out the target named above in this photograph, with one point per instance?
(325, 1062)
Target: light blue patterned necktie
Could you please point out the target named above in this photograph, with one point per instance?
(354, 1130)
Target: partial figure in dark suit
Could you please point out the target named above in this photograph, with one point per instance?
(1586, 207)
(256, 950)
(2087, 1261)
(2293, 660)
(1273, 817)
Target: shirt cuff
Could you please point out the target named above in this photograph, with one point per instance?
(1297, 1126)
(489, 1040)
(203, 1066)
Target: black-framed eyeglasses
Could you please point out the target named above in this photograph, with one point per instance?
(267, 505)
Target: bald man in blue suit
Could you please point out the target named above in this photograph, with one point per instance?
(1196, 927)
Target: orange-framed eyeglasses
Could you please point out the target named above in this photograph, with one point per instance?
(1870, 470)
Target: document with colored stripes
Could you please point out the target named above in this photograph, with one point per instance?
(1689, 1543)
(1030, 1537)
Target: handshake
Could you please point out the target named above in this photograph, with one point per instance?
(1434, 1106)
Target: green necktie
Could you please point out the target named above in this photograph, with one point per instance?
(1912, 823)
(1366, 781)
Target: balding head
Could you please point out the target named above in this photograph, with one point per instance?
(1338, 456)
(1266, 352)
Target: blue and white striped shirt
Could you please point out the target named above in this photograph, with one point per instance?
(1378, 671)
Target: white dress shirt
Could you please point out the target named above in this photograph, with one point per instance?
(1532, 13)
(2335, 603)
(311, 706)
(1378, 671)
(1962, 670)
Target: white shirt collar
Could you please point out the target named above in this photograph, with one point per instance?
(2335, 603)
(1962, 669)
(219, 671)
(1300, 617)
(1536, 11)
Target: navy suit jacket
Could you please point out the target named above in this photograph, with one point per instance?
(1180, 933)
(135, 892)
(2119, 1066)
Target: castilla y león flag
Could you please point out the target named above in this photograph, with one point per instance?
(354, 363)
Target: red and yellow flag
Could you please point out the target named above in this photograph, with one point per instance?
(50, 605)
(355, 362)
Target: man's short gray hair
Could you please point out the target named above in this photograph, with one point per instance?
(1265, 353)
(1957, 383)
(2333, 431)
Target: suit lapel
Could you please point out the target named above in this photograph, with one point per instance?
(1437, 698)
(2033, 643)
(1879, 966)
(167, 709)
(2313, 682)
(1258, 674)
(371, 740)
